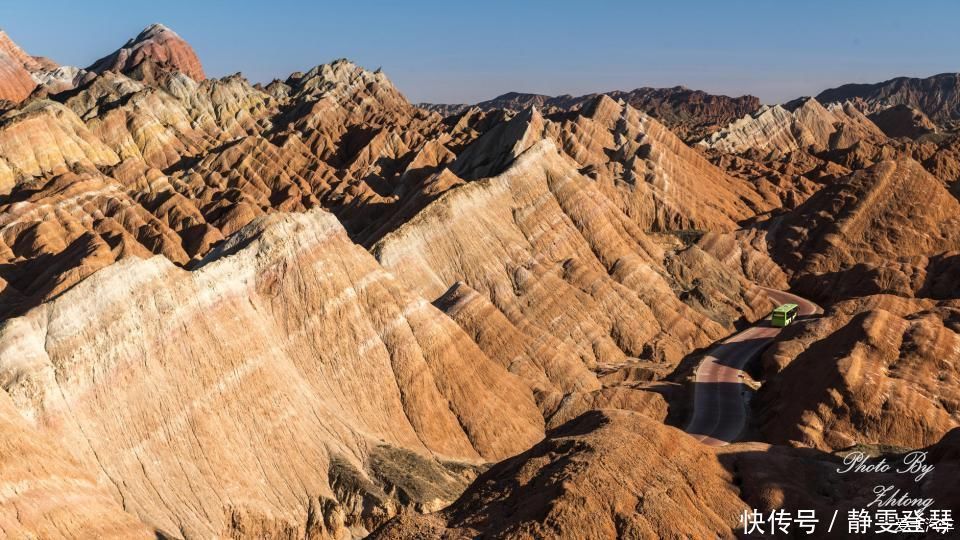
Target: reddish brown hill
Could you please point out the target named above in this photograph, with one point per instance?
(157, 44)
(593, 478)
(612, 474)
(873, 231)
(15, 80)
(875, 370)
(903, 121)
(30, 63)
(891, 210)
(651, 175)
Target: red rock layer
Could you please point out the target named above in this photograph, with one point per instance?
(157, 44)
(15, 81)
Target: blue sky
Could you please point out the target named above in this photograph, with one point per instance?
(465, 52)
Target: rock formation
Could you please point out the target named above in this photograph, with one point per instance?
(612, 474)
(651, 174)
(257, 386)
(495, 241)
(797, 125)
(938, 96)
(15, 80)
(691, 114)
(310, 309)
(157, 44)
(586, 481)
(871, 232)
(875, 370)
(903, 121)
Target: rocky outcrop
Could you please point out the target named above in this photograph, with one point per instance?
(586, 481)
(60, 79)
(799, 125)
(156, 44)
(889, 214)
(875, 370)
(903, 121)
(262, 407)
(15, 80)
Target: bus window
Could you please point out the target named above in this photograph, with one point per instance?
(784, 315)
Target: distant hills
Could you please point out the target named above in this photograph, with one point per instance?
(692, 114)
(938, 96)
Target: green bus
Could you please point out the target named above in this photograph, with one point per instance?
(784, 315)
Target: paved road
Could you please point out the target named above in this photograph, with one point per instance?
(719, 410)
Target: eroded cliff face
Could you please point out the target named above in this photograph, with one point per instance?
(548, 249)
(48, 493)
(289, 380)
(875, 370)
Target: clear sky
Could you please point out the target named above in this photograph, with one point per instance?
(455, 51)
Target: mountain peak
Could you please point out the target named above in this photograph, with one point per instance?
(15, 65)
(156, 44)
(10, 48)
(153, 30)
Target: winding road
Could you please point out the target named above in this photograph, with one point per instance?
(719, 411)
